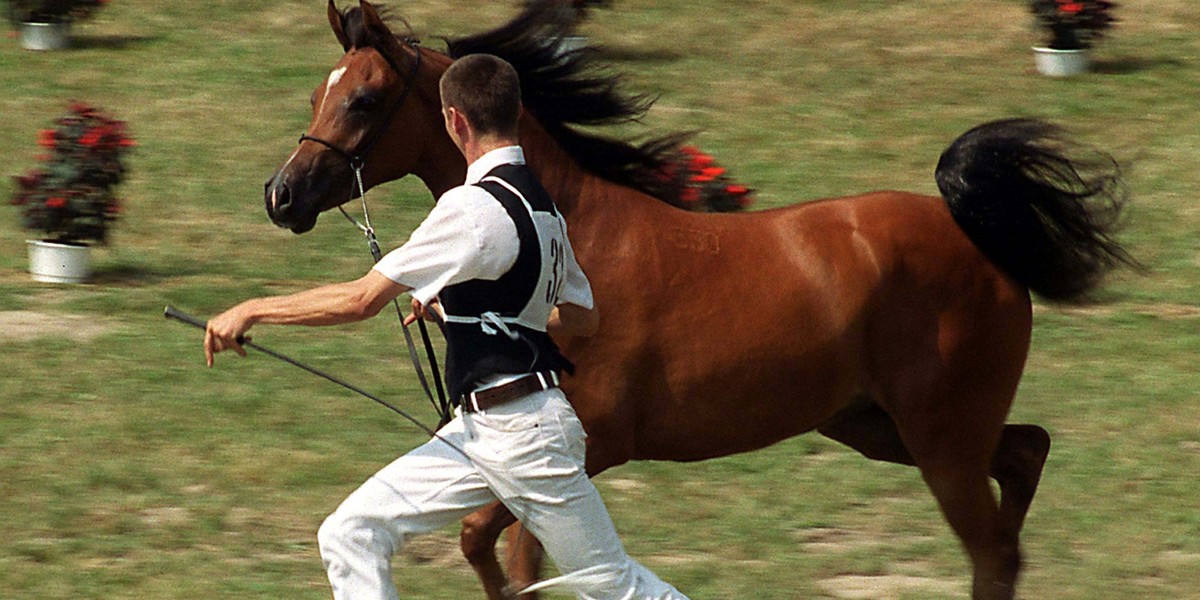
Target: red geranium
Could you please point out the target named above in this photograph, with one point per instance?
(1073, 24)
(696, 182)
(70, 197)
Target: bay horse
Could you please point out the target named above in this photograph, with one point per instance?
(895, 323)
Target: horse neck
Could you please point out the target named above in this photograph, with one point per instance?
(583, 198)
(440, 165)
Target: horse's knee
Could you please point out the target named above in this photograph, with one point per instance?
(474, 539)
(480, 532)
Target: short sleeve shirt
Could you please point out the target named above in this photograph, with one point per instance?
(468, 235)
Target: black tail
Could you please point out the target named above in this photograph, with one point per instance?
(1046, 220)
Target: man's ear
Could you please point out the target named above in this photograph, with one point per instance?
(459, 122)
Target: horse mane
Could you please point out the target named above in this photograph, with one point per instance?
(566, 89)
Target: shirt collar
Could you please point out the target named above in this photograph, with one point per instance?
(500, 156)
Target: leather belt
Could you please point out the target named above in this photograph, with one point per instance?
(507, 392)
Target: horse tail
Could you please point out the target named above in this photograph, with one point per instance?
(1045, 219)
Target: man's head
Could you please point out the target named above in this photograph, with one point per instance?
(486, 91)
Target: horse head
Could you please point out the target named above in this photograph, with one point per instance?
(375, 116)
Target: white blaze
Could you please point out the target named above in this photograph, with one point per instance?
(334, 78)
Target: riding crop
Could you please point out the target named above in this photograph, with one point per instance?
(171, 312)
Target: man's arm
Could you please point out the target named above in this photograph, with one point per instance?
(572, 320)
(326, 305)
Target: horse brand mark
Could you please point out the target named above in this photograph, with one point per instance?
(695, 240)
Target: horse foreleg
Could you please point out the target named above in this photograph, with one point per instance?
(480, 531)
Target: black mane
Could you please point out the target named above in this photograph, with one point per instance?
(565, 90)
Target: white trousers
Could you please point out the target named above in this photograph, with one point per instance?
(527, 453)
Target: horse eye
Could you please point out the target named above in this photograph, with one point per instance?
(364, 103)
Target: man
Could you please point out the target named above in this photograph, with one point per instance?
(493, 260)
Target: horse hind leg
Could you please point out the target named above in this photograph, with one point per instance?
(963, 492)
(1017, 467)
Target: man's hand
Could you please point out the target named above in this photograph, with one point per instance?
(432, 312)
(226, 331)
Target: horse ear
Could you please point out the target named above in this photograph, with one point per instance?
(379, 33)
(336, 22)
(371, 18)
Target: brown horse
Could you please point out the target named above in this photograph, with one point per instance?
(895, 323)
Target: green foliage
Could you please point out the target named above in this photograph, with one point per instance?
(1073, 24)
(50, 11)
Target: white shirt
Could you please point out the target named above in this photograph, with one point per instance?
(468, 235)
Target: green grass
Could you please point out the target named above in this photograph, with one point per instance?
(127, 470)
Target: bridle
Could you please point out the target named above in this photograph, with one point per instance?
(357, 160)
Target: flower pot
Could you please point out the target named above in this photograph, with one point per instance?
(46, 36)
(1061, 63)
(52, 262)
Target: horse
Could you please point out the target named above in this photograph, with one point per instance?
(895, 323)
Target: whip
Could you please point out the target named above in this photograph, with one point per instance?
(171, 312)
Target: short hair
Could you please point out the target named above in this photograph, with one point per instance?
(487, 90)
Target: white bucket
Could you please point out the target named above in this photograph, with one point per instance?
(1061, 63)
(45, 36)
(52, 262)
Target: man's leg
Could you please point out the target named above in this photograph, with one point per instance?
(531, 451)
(419, 492)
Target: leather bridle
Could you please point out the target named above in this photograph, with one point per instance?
(357, 160)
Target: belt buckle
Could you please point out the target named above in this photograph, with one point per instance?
(469, 403)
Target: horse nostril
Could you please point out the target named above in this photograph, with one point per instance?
(280, 198)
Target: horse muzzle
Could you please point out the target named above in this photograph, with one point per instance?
(291, 206)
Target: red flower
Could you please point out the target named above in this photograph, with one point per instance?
(689, 195)
(734, 189)
(92, 137)
(1071, 8)
(56, 202)
(713, 172)
(46, 138)
(127, 142)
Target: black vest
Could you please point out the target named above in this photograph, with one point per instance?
(472, 354)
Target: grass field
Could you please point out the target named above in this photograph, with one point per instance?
(127, 470)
